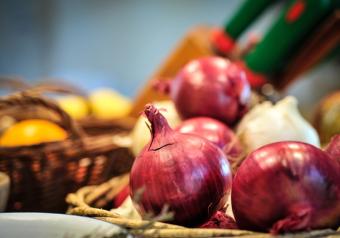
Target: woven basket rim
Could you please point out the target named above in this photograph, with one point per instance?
(78, 206)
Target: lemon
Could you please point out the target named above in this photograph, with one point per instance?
(109, 104)
(33, 131)
(76, 106)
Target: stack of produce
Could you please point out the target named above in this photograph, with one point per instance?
(99, 111)
(209, 145)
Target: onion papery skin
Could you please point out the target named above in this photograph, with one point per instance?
(214, 131)
(286, 187)
(212, 87)
(186, 172)
(220, 220)
(333, 148)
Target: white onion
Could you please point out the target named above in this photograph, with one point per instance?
(267, 123)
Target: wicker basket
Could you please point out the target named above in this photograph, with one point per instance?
(90, 201)
(43, 174)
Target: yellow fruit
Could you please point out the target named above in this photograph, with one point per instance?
(327, 117)
(33, 131)
(75, 106)
(108, 104)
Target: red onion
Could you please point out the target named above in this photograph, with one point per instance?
(186, 172)
(287, 186)
(121, 196)
(214, 131)
(212, 87)
(333, 148)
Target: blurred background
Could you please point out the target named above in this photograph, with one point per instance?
(99, 43)
(120, 43)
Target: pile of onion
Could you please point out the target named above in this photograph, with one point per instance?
(186, 172)
(285, 187)
(212, 87)
(214, 131)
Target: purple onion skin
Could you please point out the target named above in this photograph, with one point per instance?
(333, 148)
(212, 87)
(188, 173)
(220, 220)
(214, 131)
(286, 187)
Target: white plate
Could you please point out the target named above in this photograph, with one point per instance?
(42, 225)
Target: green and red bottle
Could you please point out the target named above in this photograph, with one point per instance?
(224, 39)
(295, 23)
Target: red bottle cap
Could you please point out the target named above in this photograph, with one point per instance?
(256, 80)
(295, 11)
(222, 41)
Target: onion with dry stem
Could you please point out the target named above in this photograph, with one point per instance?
(186, 172)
